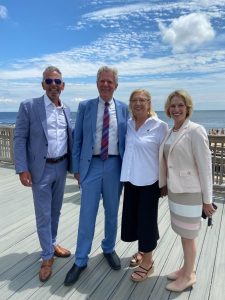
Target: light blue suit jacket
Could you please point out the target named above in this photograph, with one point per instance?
(31, 138)
(85, 130)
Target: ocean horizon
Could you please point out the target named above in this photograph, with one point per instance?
(210, 119)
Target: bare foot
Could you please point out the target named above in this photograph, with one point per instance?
(182, 283)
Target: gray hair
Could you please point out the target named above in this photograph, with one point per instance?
(51, 69)
(108, 69)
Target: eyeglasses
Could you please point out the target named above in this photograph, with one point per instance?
(50, 81)
(140, 100)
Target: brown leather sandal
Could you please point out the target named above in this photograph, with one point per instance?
(136, 259)
(142, 273)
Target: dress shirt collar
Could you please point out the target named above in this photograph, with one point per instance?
(49, 102)
(147, 120)
(103, 102)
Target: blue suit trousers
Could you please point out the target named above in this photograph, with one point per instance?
(48, 197)
(102, 180)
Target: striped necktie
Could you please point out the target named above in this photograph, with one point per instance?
(105, 133)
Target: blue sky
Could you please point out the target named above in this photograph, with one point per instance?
(157, 45)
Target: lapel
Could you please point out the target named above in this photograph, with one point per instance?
(42, 114)
(162, 145)
(119, 116)
(67, 115)
(93, 109)
(118, 110)
(66, 112)
(181, 132)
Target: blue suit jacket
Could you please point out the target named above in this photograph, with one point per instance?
(85, 130)
(31, 139)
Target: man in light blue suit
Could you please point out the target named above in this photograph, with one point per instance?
(42, 146)
(98, 176)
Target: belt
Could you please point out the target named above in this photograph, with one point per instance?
(55, 160)
(110, 155)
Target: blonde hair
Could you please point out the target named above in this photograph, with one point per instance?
(187, 101)
(151, 112)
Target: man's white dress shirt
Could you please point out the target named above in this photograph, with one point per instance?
(57, 129)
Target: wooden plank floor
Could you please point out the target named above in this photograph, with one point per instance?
(20, 253)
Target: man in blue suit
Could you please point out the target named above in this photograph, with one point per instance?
(98, 176)
(42, 146)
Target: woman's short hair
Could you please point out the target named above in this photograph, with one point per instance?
(187, 101)
(148, 97)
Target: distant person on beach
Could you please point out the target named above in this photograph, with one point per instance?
(140, 171)
(185, 171)
(42, 146)
(99, 141)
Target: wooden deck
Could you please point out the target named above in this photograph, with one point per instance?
(20, 251)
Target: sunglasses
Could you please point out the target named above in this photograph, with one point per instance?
(50, 81)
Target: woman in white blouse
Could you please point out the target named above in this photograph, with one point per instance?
(140, 171)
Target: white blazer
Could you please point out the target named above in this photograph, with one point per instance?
(189, 166)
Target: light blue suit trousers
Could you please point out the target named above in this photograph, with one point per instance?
(103, 179)
(48, 197)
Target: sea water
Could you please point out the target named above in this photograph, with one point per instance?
(208, 118)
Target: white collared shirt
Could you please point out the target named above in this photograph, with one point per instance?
(141, 158)
(56, 128)
(113, 128)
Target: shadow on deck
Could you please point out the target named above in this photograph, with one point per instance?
(20, 252)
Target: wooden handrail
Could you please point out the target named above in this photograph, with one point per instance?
(6, 143)
(216, 144)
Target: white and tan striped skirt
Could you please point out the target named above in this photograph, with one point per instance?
(185, 211)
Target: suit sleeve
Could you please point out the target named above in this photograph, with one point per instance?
(70, 138)
(77, 139)
(202, 156)
(21, 136)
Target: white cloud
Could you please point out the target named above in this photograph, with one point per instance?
(3, 12)
(7, 101)
(78, 64)
(131, 42)
(208, 3)
(114, 15)
(187, 32)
